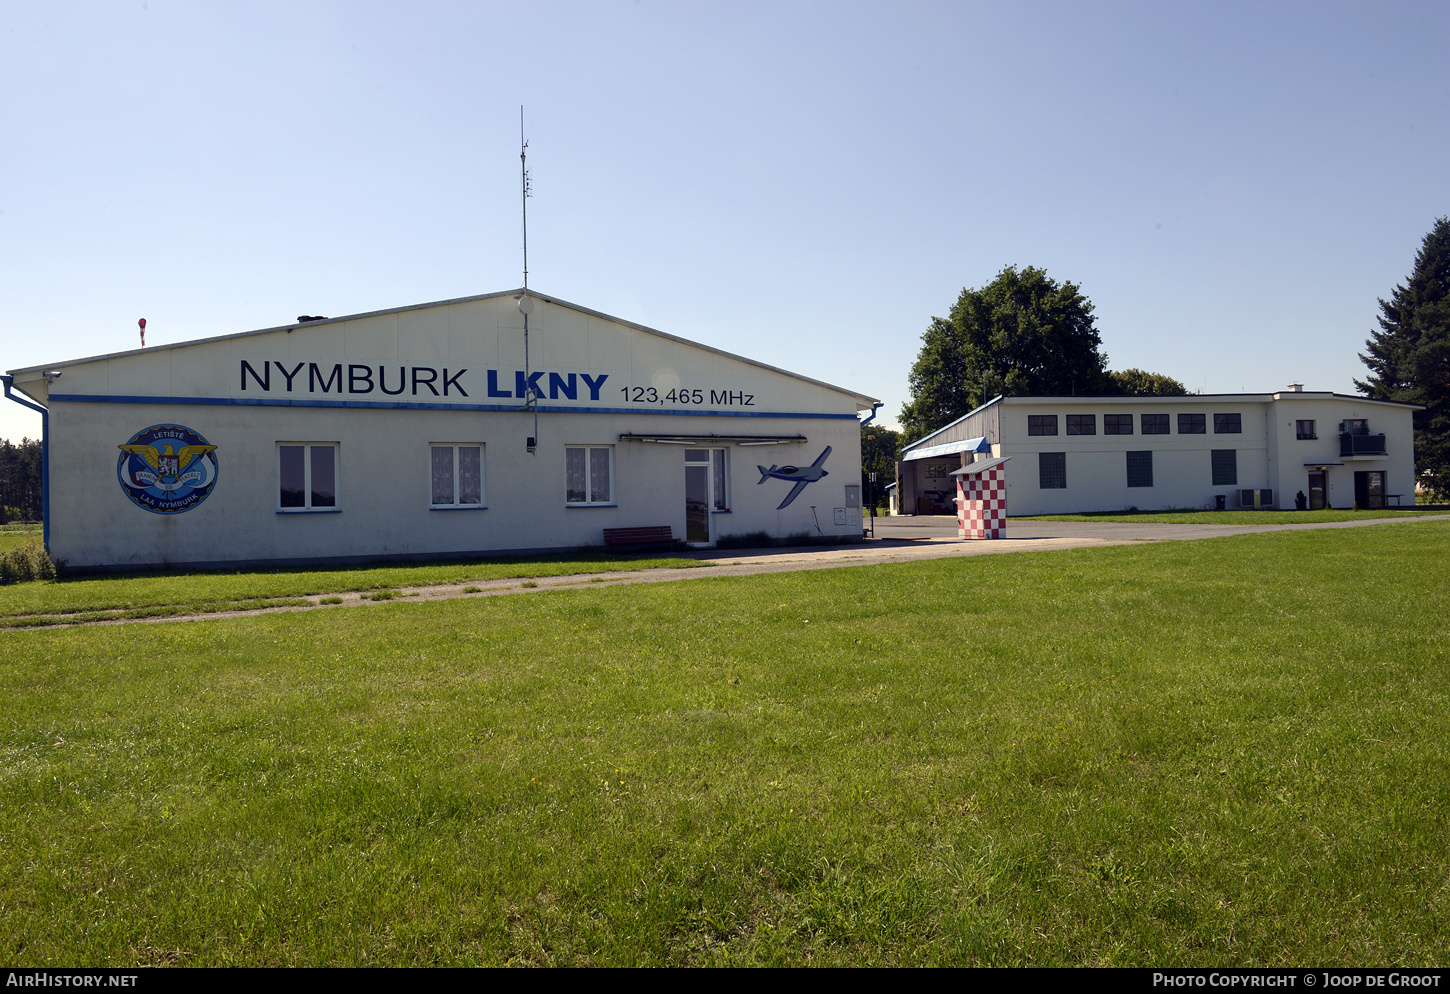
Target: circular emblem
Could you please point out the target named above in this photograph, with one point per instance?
(167, 469)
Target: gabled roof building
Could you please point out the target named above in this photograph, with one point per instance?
(503, 422)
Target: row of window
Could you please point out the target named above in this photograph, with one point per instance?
(1122, 424)
(1052, 469)
(307, 476)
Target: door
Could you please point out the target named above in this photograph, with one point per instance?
(1369, 489)
(1318, 491)
(705, 493)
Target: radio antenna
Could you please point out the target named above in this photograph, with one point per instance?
(524, 184)
(526, 304)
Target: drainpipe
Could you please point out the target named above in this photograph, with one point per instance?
(870, 490)
(44, 458)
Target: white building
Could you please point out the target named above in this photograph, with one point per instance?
(1111, 453)
(409, 433)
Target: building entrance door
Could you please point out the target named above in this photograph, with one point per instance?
(704, 493)
(1318, 491)
(1369, 489)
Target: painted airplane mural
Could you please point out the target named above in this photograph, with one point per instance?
(799, 475)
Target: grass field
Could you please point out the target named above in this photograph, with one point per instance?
(17, 534)
(159, 595)
(1231, 751)
(1197, 517)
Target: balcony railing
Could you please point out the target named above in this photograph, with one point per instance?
(1361, 445)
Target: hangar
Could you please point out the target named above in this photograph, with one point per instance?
(505, 422)
(1111, 453)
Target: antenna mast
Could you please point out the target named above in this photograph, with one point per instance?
(524, 184)
(526, 304)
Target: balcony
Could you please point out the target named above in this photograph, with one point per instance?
(1361, 445)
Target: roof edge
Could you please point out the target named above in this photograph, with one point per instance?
(558, 301)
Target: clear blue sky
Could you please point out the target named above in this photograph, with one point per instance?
(1232, 184)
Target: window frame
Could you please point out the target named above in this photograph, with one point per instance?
(1039, 424)
(1224, 477)
(457, 504)
(718, 461)
(1195, 424)
(1156, 426)
(589, 457)
(1144, 469)
(1077, 422)
(1228, 424)
(1059, 471)
(1304, 434)
(308, 507)
(1118, 424)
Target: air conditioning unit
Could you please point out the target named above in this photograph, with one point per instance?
(1258, 499)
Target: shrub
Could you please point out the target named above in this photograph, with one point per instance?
(26, 562)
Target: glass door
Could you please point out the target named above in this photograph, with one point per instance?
(1318, 492)
(705, 492)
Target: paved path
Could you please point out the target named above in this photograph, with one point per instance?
(897, 540)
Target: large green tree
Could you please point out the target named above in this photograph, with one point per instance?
(1409, 357)
(879, 449)
(20, 480)
(1140, 383)
(1022, 334)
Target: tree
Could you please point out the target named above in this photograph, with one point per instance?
(1409, 357)
(1140, 383)
(1021, 334)
(879, 448)
(20, 493)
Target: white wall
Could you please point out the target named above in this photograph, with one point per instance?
(384, 452)
(1097, 464)
(1268, 454)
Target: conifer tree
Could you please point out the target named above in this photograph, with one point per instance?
(1409, 357)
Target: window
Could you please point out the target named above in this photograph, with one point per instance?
(307, 476)
(1140, 469)
(1042, 424)
(1304, 430)
(1155, 424)
(1117, 424)
(455, 476)
(1190, 424)
(718, 498)
(1354, 426)
(1052, 470)
(1082, 424)
(589, 475)
(1227, 424)
(1225, 467)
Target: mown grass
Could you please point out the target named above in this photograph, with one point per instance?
(1231, 751)
(17, 534)
(1235, 517)
(158, 595)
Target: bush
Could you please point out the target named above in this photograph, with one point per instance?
(26, 562)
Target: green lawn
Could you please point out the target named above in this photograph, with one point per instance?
(1231, 751)
(156, 595)
(1235, 517)
(17, 534)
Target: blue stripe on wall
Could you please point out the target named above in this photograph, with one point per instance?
(76, 398)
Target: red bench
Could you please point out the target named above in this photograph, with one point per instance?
(655, 535)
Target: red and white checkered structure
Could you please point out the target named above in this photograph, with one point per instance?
(982, 500)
